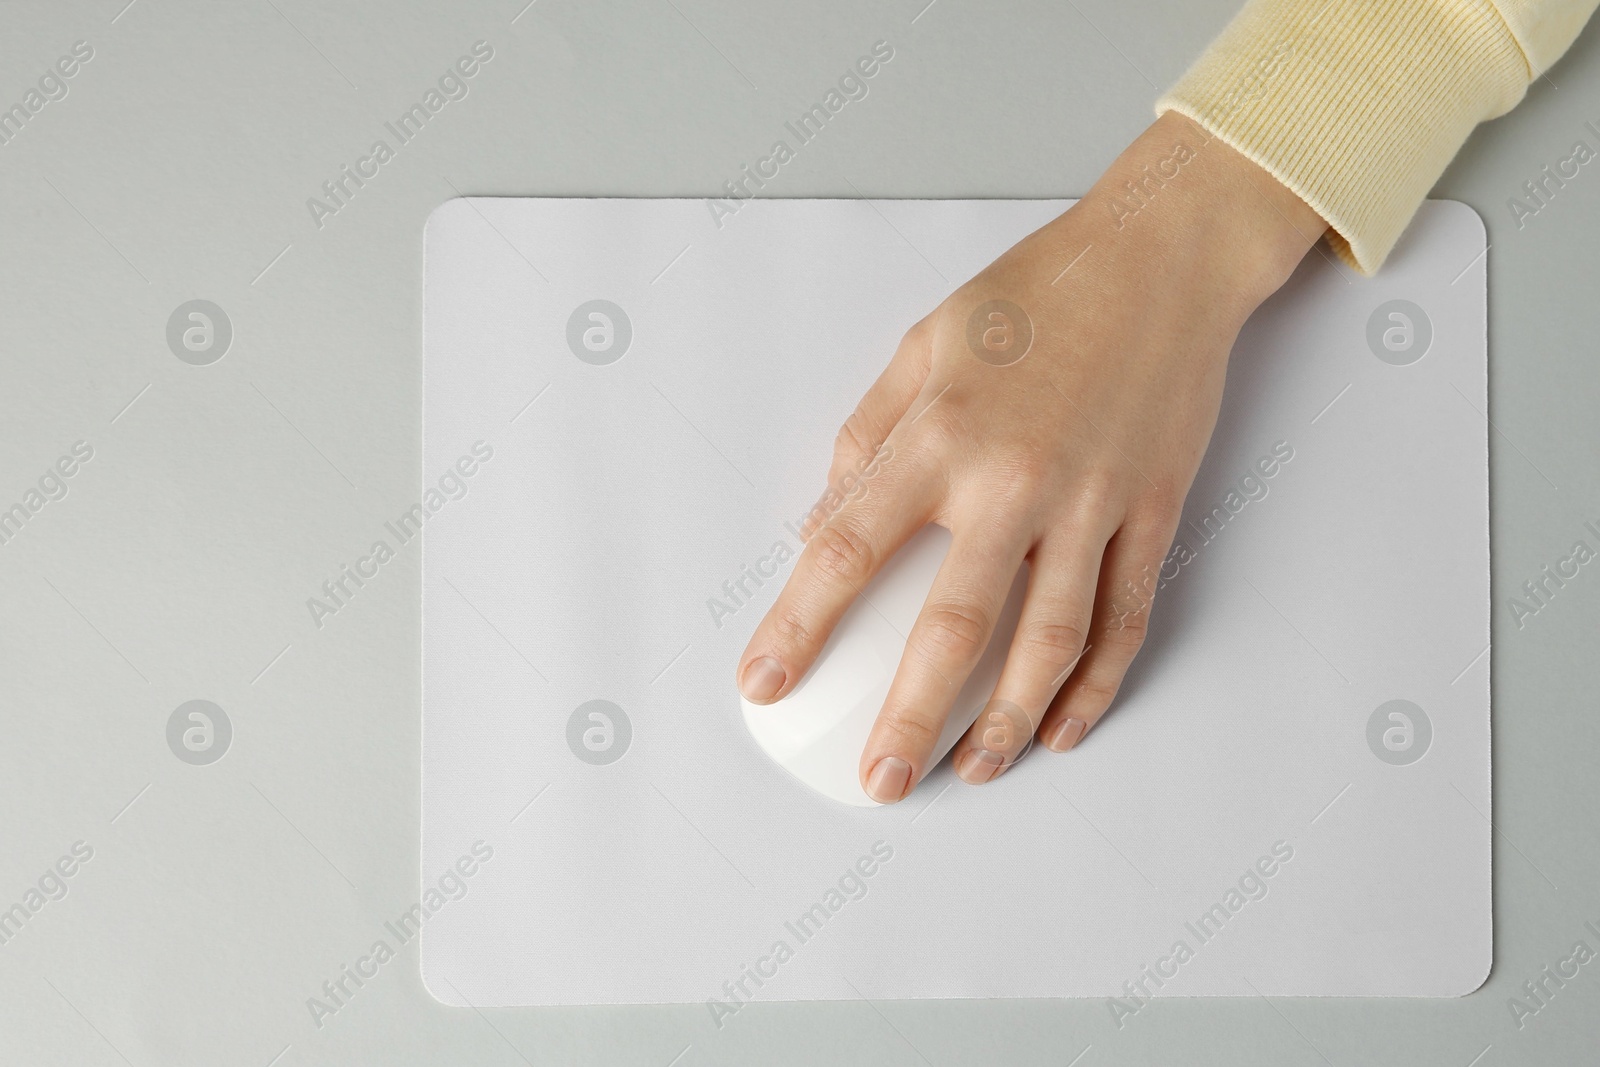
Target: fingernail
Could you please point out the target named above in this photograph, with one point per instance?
(1066, 733)
(889, 780)
(979, 765)
(762, 679)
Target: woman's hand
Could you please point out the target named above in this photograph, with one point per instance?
(1055, 408)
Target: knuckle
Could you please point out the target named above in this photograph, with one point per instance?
(1098, 691)
(915, 350)
(940, 421)
(1163, 502)
(1128, 606)
(1152, 524)
(1101, 489)
(959, 631)
(908, 734)
(926, 450)
(1032, 467)
(791, 629)
(1125, 631)
(852, 440)
(1019, 484)
(1054, 644)
(842, 552)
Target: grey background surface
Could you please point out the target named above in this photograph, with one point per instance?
(219, 498)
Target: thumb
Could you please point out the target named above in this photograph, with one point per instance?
(885, 403)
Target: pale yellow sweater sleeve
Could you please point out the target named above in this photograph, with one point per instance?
(1359, 105)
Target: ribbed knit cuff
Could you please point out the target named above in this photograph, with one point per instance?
(1357, 107)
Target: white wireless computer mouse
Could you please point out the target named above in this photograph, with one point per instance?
(818, 732)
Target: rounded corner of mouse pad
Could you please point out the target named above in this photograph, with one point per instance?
(1316, 665)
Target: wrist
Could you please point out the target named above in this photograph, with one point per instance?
(1191, 200)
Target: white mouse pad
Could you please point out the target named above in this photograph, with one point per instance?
(630, 406)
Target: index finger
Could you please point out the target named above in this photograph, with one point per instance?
(840, 557)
